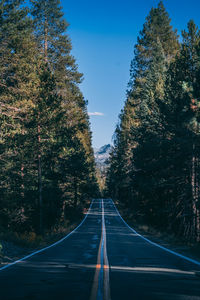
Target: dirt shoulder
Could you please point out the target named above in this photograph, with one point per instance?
(14, 247)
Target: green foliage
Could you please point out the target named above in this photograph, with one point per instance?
(154, 167)
(46, 158)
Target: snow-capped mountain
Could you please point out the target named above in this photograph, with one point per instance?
(102, 154)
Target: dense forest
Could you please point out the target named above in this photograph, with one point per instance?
(46, 158)
(47, 168)
(155, 163)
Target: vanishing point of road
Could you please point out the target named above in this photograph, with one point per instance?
(102, 259)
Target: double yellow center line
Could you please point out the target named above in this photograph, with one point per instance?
(101, 286)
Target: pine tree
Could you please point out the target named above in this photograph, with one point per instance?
(19, 81)
(157, 44)
(156, 27)
(182, 125)
(44, 122)
(55, 45)
(159, 125)
(50, 29)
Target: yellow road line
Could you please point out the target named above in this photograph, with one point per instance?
(96, 276)
(102, 257)
(106, 267)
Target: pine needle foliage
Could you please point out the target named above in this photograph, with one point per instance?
(154, 167)
(46, 157)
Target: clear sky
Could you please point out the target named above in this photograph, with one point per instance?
(103, 35)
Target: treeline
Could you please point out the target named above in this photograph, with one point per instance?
(46, 159)
(155, 167)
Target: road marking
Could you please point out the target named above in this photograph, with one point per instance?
(150, 269)
(54, 244)
(101, 286)
(155, 244)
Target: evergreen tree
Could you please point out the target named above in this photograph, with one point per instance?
(46, 156)
(50, 29)
(147, 76)
(154, 167)
(18, 82)
(156, 27)
(182, 126)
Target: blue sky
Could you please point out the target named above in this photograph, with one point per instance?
(103, 35)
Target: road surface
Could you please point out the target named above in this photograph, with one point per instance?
(102, 259)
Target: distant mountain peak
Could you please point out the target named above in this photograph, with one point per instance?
(102, 154)
(104, 149)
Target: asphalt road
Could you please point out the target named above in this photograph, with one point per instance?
(103, 259)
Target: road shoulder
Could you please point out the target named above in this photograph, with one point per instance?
(162, 238)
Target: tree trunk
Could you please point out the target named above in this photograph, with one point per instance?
(22, 181)
(46, 41)
(197, 200)
(75, 192)
(62, 217)
(40, 182)
(195, 195)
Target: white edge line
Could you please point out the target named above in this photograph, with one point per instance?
(43, 249)
(157, 245)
